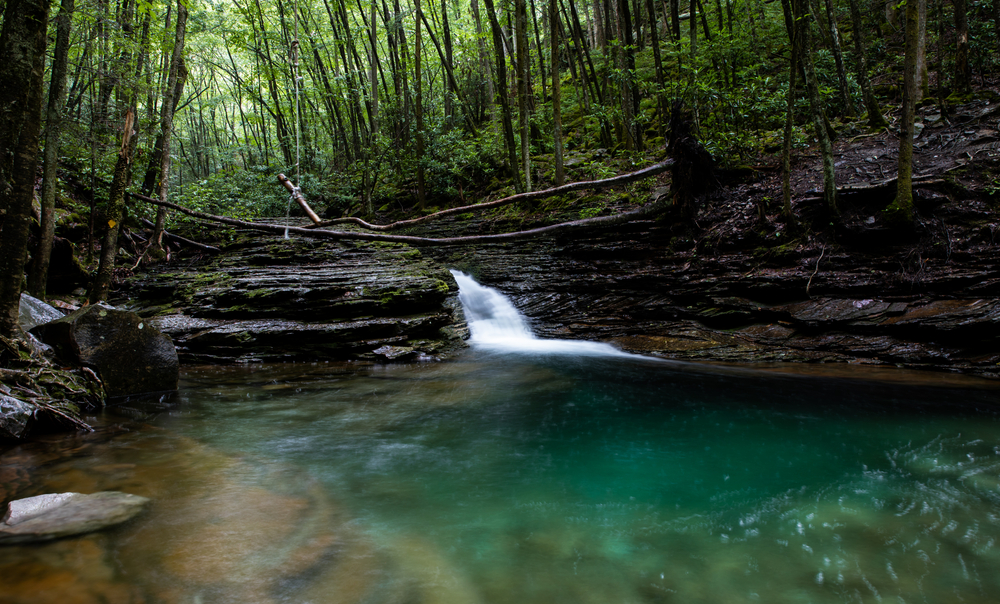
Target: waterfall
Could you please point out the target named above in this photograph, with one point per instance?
(494, 324)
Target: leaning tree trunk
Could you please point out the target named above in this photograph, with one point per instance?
(22, 62)
(167, 121)
(53, 130)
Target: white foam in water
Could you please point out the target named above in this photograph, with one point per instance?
(494, 324)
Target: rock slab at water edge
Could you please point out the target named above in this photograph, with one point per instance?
(56, 515)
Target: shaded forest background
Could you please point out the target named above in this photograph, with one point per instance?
(410, 105)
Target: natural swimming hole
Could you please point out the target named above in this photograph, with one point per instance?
(502, 478)
(525, 474)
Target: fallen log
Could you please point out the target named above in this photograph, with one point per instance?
(587, 223)
(653, 170)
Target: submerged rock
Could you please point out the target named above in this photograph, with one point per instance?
(129, 354)
(55, 515)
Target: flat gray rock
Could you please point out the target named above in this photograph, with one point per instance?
(15, 416)
(56, 515)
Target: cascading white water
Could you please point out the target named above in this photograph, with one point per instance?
(495, 324)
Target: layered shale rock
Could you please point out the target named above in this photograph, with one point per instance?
(272, 299)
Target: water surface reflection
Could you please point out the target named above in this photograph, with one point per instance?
(508, 479)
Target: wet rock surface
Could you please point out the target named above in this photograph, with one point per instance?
(129, 354)
(56, 515)
(633, 289)
(271, 299)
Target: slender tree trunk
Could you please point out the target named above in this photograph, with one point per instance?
(923, 78)
(661, 102)
(167, 119)
(22, 62)
(875, 118)
(508, 128)
(838, 57)
(816, 105)
(630, 88)
(115, 211)
(418, 108)
(53, 130)
(484, 58)
(963, 75)
(904, 183)
(786, 148)
(523, 86)
(450, 88)
(557, 143)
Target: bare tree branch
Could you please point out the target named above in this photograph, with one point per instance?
(600, 221)
(653, 170)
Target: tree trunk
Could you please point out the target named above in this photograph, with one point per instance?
(838, 57)
(53, 130)
(22, 63)
(523, 86)
(661, 103)
(630, 87)
(557, 143)
(786, 148)
(115, 211)
(875, 118)
(451, 88)
(508, 128)
(903, 205)
(963, 76)
(167, 119)
(801, 10)
(484, 58)
(418, 108)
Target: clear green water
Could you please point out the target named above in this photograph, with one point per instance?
(615, 480)
(505, 479)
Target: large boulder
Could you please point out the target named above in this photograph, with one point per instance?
(128, 353)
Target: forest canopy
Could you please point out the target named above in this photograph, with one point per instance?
(368, 96)
(414, 105)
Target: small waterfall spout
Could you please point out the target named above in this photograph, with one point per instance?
(495, 324)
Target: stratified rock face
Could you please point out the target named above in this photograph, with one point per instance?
(272, 299)
(56, 515)
(129, 354)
